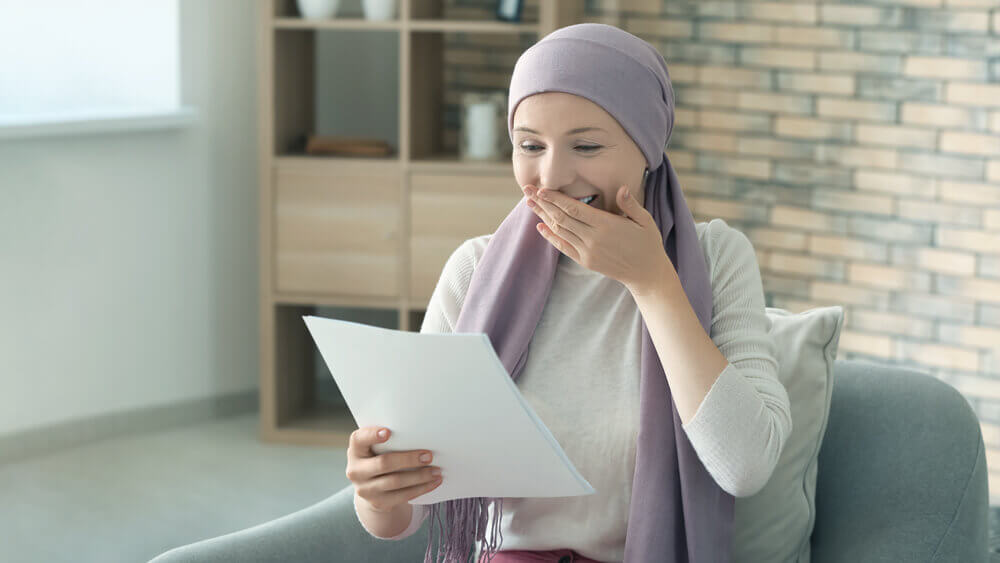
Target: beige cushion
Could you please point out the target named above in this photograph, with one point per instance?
(774, 525)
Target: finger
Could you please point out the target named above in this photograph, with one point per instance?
(362, 439)
(560, 223)
(400, 496)
(561, 204)
(558, 242)
(632, 209)
(402, 479)
(391, 462)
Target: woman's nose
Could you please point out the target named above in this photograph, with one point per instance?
(553, 174)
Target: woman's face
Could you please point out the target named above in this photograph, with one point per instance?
(550, 152)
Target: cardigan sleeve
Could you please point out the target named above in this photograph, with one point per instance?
(742, 424)
(440, 317)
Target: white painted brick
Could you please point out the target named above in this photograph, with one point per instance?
(970, 143)
(660, 27)
(706, 97)
(895, 183)
(991, 219)
(946, 261)
(918, 113)
(733, 77)
(734, 121)
(814, 36)
(854, 61)
(806, 128)
(938, 212)
(977, 21)
(856, 109)
(778, 103)
(778, 57)
(856, 202)
(821, 83)
(876, 345)
(969, 240)
(973, 94)
(780, 11)
(852, 156)
(847, 247)
(894, 135)
(942, 165)
(993, 171)
(736, 32)
(970, 192)
(860, 15)
(945, 67)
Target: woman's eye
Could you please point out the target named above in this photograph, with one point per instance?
(584, 148)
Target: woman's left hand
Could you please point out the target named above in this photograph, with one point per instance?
(625, 248)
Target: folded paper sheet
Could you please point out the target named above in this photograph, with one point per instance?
(450, 394)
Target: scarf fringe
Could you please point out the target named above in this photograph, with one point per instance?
(466, 522)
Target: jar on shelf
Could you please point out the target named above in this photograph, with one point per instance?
(483, 127)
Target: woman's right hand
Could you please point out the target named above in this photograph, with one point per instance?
(387, 480)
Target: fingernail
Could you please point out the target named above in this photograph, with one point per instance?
(435, 472)
(425, 457)
(382, 434)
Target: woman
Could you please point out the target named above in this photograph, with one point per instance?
(638, 336)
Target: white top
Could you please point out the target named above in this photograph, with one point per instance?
(582, 378)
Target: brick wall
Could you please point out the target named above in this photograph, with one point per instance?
(858, 146)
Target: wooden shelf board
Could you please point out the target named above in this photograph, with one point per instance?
(335, 300)
(359, 24)
(333, 161)
(472, 26)
(428, 25)
(453, 165)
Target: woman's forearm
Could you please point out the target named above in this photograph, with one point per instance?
(690, 359)
(383, 524)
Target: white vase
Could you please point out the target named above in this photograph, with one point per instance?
(317, 9)
(379, 10)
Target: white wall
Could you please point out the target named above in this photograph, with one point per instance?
(128, 261)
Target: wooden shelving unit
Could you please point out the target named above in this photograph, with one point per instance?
(370, 233)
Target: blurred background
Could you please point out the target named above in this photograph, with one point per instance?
(184, 180)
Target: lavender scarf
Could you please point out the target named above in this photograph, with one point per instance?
(677, 511)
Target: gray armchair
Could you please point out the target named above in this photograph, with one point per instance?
(902, 477)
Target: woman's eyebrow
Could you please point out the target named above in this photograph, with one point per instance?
(570, 132)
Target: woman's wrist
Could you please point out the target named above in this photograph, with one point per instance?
(383, 524)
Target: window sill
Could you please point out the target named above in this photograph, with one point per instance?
(91, 122)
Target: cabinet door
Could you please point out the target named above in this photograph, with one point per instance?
(447, 209)
(337, 231)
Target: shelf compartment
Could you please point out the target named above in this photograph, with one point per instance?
(337, 234)
(311, 408)
(445, 211)
(445, 65)
(312, 97)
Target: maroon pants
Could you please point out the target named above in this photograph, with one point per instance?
(550, 556)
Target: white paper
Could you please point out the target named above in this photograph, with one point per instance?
(450, 394)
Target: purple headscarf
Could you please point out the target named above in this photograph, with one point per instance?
(677, 511)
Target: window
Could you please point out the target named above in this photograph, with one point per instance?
(64, 63)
